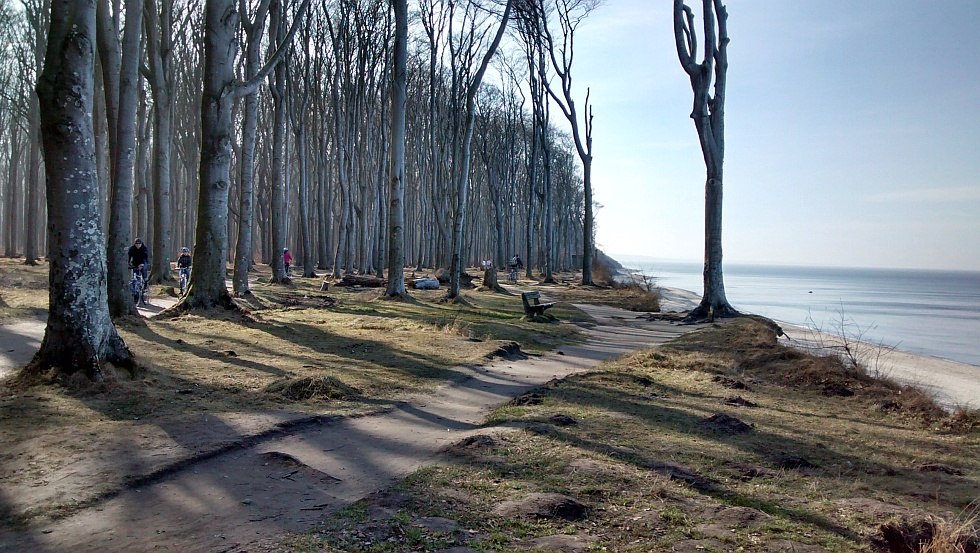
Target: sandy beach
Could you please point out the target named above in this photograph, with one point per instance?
(954, 384)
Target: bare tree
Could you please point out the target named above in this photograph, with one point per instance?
(561, 51)
(243, 251)
(37, 12)
(399, 100)
(709, 120)
(462, 188)
(207, 286)
(123, 159)
(79, 336)
(159, 18)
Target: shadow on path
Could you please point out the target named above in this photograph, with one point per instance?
(287, 480)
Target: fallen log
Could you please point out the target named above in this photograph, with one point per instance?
(366, 281)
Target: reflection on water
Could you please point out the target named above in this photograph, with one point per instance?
(934, 313)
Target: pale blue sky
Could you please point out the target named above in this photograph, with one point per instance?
(852, 131)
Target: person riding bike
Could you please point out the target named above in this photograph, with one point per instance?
(139, 258)
(184, 268)
(513, 266)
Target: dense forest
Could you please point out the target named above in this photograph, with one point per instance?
(496, 150)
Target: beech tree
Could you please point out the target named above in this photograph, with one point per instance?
(253, 28)
(469, 115)
(396, 176)
(79, 336)
(123, 154)
(561, 52)
(709, 120)
(207, 286)
(159, 73)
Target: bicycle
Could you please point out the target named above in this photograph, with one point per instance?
(183, 278)
(137, 286)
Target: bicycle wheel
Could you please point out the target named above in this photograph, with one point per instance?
(134, 289)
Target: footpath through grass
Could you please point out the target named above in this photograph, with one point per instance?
(211, 380)
(721, 441)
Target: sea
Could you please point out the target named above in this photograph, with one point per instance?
(925, 312)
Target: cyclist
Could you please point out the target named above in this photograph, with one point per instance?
(184, 268)
(515, 264)
(139, 258)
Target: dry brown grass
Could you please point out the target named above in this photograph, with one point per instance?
(649, 445)
(209, 379)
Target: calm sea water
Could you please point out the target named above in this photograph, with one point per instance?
(935, 313)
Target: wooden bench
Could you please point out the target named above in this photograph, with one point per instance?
(532, 304)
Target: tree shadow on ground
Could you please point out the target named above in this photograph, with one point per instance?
(655, 412)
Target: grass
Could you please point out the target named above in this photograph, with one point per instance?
(210, 379)
(639, 443)
(659, 450)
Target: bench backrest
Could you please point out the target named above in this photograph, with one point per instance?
(536, 296)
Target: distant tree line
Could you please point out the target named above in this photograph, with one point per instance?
(310, 142)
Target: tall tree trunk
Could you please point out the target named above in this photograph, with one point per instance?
(79, 336)
(709, 120)
(279, 169)
(160, 64)
(207, 286)
(462, 189)
(33, 186)
(123, 162)
(12, 197)
(396, 197)
(246, 210)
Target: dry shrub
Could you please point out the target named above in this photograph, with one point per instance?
(963, 419)
(930, 535)
(666, 358)
(312, 387)
(602, 273)
(634, 298)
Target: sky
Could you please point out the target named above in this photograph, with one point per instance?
(852, 133)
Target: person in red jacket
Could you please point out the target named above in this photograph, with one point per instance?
(287, 259)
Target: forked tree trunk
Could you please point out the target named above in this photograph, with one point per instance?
(459, 219)
(79, 336)
(709, 120)
(207, 287)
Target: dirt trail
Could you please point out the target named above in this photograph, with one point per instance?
(20, 340)
(243, 498)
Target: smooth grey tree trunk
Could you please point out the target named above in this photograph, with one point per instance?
(37, 17)
(396, 198)
(124, 155)
(160, 77)
(709, 120)
(207, 286)
(462, 189)
(299, 105)
(246, 210)
(279, 170)
(79, 336)
(13, 194)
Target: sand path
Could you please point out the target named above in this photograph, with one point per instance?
(20, 339)
(240, 499)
